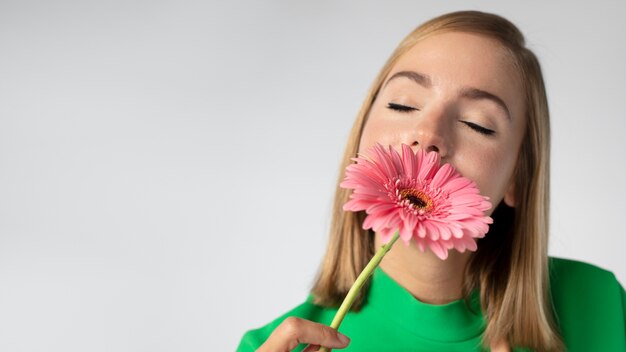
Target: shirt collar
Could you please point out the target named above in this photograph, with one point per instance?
(454, 321)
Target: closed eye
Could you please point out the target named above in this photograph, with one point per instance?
(401, 108)
(478, 128)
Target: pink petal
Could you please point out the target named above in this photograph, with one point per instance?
(408, 161)
(438, 249)
(442, 176)
(385, 235)
(456, 184)
(380, 208)
(406, 233)
(456, 218)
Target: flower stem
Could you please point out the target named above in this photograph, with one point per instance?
(360, 281)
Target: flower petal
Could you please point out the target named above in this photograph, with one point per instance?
(453, 218)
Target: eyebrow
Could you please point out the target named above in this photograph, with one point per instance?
(477, 94)
(466, 92)
(421, 79)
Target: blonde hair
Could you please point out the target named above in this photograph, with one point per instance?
(511, 268)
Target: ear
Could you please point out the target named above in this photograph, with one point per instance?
(509, 196)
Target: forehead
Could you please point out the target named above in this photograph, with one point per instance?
(453, 60)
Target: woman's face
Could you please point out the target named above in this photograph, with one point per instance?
(459, 94)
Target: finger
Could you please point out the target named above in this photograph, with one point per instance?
(294, 331)
(312, 348)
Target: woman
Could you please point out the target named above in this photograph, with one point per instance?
(465, 86)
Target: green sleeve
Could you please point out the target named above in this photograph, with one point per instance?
(253, 339)
(590, 307)
(624, 308)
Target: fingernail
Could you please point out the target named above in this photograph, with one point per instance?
(343, 338)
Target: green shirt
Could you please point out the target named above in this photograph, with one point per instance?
(589, 302)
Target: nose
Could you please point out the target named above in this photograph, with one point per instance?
(429, 132)
(429, 148)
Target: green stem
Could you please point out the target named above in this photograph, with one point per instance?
(360, 281)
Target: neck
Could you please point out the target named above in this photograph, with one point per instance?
(428, 278)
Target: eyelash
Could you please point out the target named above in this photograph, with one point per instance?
(405, 109)
(401, 108)
(480, 129)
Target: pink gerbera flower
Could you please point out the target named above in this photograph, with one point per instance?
(413, 194)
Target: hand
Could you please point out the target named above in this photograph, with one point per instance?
(294, 331)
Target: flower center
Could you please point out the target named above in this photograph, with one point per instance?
(417, 199)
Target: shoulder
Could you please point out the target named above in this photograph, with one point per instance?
(252, 339)
(572, 274)
(572, 280)
(589, 305)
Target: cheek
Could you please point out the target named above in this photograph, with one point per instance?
(375, 131)
(385, 127)
(492, 170)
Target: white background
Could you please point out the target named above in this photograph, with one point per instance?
(167, 167)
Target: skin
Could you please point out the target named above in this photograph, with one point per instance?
(479, 134)
(293, 331)
(449, 113)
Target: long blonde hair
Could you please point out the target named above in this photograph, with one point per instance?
(511, 268)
